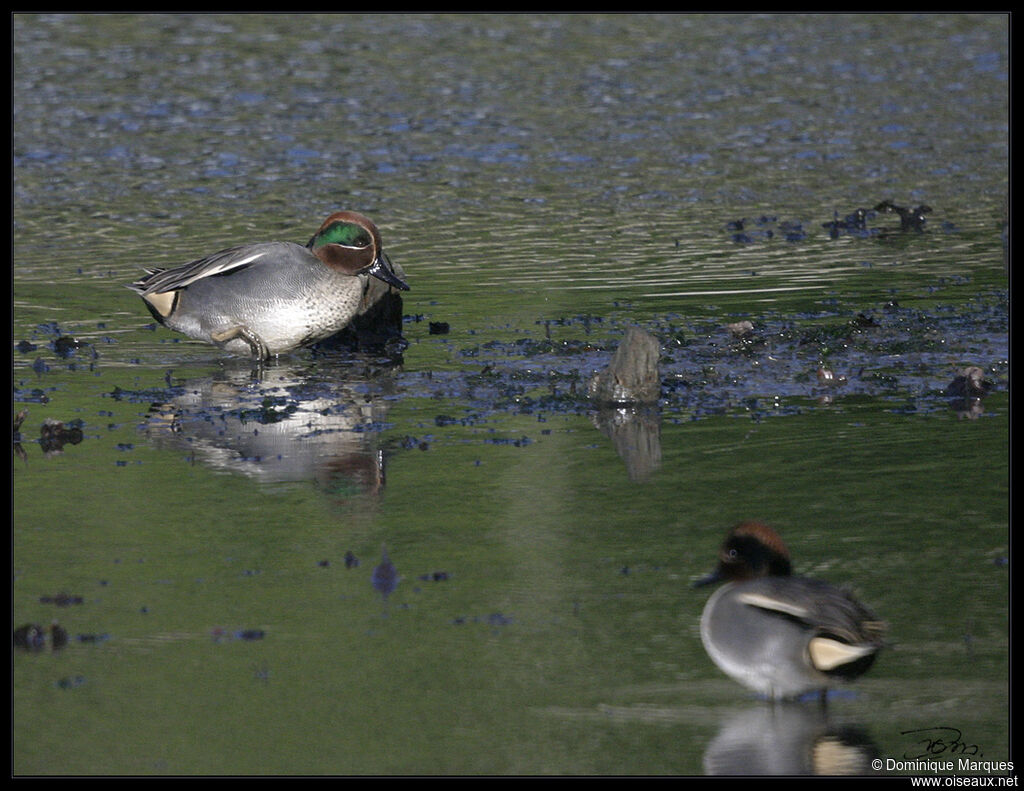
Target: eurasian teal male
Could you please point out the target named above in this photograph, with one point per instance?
(778, 634)
(269, 298)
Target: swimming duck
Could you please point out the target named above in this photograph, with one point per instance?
(778, 634)
(269, 298)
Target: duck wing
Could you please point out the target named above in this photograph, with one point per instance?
(233, 259)
(830, 611)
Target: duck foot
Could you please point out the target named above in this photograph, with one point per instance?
(256, 344)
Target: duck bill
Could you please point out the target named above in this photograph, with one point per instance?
(707, 579)
(382, 269)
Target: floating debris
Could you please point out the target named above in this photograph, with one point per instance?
(765, 227)
(435, 576)
(65, 346)
(910, 219)
(494, 619)
(220, 634)
(58, 636)
(92, 639)
(520, 442)
(862, 322)
(54, 435)
(853, 224)
(19, 418)
(969, 382)
(32, 637)
(385, 577)
(828, 378)
(966, 391)
(61, 600)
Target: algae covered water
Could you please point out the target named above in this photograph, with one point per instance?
(455, 562)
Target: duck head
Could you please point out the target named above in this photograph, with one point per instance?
(750, 550)
(349, 242)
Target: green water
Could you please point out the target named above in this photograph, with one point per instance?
(545, 182)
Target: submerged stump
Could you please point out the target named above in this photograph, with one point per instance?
(632, 375)
(626, 394)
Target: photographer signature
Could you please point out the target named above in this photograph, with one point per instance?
(939, 740)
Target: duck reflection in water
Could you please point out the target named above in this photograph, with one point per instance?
(788, 740)
(293, 424)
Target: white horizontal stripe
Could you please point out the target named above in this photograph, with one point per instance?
(248, 260)
(227, 266)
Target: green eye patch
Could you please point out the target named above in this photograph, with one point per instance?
(344, 233)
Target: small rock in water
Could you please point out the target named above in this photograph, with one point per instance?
(828, 378)
(741, 329)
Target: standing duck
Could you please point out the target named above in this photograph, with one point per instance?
(269, 298)
(778, 634)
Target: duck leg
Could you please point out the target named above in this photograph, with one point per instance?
(259, 348)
